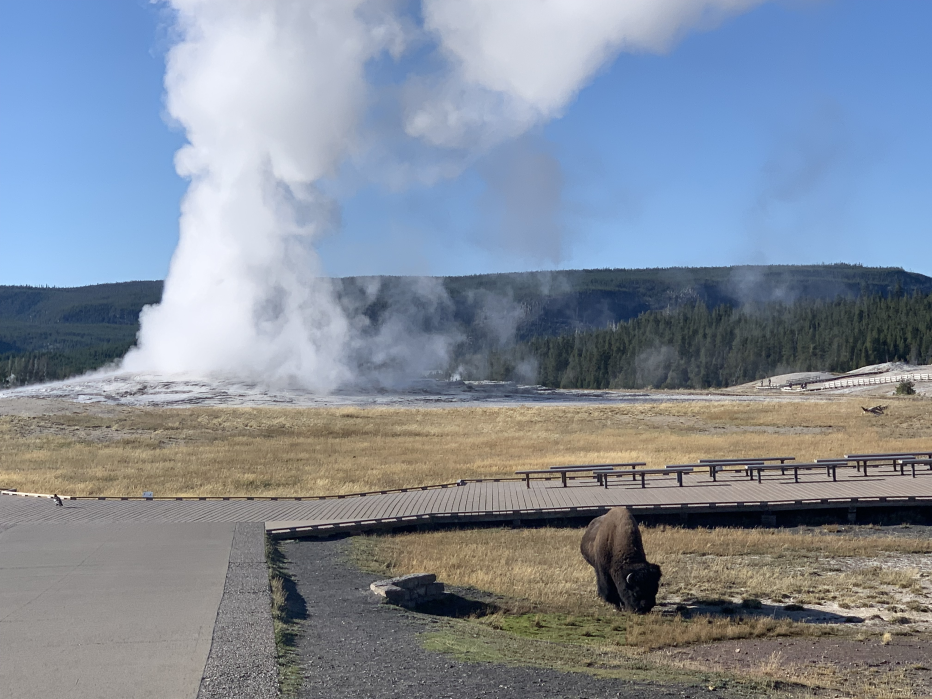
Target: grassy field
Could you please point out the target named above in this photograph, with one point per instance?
(718, 585)
(541, 570)
(104, 450)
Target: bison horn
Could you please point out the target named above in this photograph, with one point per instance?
(628, 579)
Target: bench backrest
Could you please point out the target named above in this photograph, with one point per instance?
(589, 467)
(706, 464)
(665, 469)
(773, 467)
(749, 460)
(900, 455)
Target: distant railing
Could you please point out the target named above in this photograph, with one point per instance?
(267, 498)
(867, 381)
(849, 382)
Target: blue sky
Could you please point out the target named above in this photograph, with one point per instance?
(797, 132)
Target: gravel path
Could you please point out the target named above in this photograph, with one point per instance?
(355, 647)
(241, 664)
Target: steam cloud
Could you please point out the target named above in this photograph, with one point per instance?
(273, 95)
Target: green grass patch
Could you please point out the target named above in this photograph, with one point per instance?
(285, 622)
(560, 628)
(649, 632)
(469, 641)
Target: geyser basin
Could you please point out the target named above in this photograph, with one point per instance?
(155, 390)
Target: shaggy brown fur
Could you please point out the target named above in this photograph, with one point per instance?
(612, 545)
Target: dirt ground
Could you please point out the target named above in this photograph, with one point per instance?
(900, 667)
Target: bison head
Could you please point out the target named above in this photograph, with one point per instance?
(638, 588)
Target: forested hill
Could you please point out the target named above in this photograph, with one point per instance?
(48, 333)
(698, 347)
(51, 333)
(560, 302)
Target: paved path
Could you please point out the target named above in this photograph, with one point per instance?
(108, 610)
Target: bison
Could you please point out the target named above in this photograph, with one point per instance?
(612, 545)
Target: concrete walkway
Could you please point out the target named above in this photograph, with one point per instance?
(117, 610)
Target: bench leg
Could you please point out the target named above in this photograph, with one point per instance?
(643, 484)
(527, 479)
(563, 477)
(679, 479)
(795, 475)
(759, 472)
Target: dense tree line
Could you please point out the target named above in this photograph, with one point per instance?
(19, 368)
(698, 347)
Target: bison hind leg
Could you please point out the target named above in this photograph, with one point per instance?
(606, 587)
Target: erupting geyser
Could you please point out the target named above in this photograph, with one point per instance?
(271, 94)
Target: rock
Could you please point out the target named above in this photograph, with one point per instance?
(409, 590)
(414, 580)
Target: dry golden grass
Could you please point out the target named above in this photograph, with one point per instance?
(542, 570)
(271, 451)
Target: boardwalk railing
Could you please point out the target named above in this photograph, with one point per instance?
(854, 381)
(264, 498)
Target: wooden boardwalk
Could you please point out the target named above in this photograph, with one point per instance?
(503, 501)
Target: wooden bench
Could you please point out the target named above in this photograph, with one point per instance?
(749, 460)
(864, 460)
(564, 471)
(599, 467)
(715, 466)
(642, 473)
(912, 463)
(829, 466)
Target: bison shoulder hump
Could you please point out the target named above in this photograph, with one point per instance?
(622, 538)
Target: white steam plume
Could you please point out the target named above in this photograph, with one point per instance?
(270, 94)
(515, 63)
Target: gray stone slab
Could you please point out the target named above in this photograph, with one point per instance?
(102, 611)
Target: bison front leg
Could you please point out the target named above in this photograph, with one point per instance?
(606, 588)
